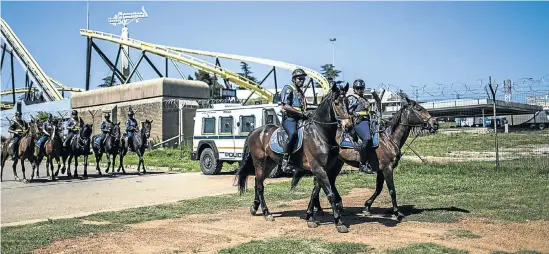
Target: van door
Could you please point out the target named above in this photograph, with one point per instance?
(226, 137)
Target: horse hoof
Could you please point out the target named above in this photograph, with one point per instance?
(312, 224)
(342, 229)
(401, 217)
(252, 210)
(25, 181)
(269, 218)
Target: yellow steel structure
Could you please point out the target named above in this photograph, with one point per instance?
(6, 106)
(44, 81)
(17, 90)
(322, 81)
(182, 58)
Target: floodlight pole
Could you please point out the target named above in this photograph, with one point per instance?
(124, 19)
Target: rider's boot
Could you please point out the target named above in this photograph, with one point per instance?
(287, 166)
(363, 167)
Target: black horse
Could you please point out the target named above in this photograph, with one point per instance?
(78, 146)
(319, 148)
(385, 158)
(137, 145)
(110, 146)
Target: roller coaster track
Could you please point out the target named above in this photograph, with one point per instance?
(323, 82)
(182, 58)
(17, 90)
(44, 82)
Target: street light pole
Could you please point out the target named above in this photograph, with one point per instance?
(333, 50)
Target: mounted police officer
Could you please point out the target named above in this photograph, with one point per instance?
(17, 128)
(46, 132)
(73, 126)
(105, 127)
(360, 107)
(293, 106)
(131, 126)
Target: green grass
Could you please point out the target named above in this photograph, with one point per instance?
(519, 252)
(442, 144)
(462, 233)
(26, 238)
(435, 193)
(425, 248)
(285, 245)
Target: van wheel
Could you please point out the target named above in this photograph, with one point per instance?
(208, 164)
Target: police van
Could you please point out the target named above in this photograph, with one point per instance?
(220, 132)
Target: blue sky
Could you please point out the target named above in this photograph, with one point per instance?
(400, 43)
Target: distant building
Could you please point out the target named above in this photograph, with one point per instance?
(540, 100)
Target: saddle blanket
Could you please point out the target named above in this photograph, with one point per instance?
(279, 140)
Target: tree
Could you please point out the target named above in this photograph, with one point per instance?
(331, 73)
(246, 72)
(107, 81)
(211, 81)
(190, 77)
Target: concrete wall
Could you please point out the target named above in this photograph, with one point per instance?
(158, 100)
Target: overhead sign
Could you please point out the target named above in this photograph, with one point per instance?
(228, 93)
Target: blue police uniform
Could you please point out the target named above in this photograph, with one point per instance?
(73, 125)
(105, 128)
(359, 106)
(131, 128)
(46, 126)
(293, 98)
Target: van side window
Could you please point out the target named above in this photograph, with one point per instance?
(226, 125)
(208, 125)
(247, 123)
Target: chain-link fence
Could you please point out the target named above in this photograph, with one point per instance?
(494, 120)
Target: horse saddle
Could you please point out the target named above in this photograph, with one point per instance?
(97, 140)
(345, 141)
(279, 140)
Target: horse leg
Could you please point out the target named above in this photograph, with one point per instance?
(113, 161)
(23, 169)
(379, 187)
(141, 161)
(3, 162)
(259, 178)
(311, 222)
(86, 166)
(108, 163)
(255, 205)
(14, 166)
(121, 166)
(98, 157)
(324, 182)
(392, 191)
(58, 165)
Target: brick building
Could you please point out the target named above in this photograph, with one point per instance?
(158, 100)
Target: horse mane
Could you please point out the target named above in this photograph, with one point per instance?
(392, 124)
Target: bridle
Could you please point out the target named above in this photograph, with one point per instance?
(338, 117)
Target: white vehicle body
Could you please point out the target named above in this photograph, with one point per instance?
(220, 132)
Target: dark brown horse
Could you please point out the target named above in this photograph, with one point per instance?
(78, 146)
(137, 145)
(111, 147)
(385, 158)
(24, 151)
(319, 148)
(53, 149)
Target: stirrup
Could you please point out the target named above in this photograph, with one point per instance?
(365, 169)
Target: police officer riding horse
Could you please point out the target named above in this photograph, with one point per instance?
(294, 108)
(105, 128)
(73, 126)
(17, 128)
(131, 128)
(46, 132)
(364, 123)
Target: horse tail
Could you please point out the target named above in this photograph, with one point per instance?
(246, 168)
(298, 174)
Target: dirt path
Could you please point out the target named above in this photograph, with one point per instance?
(212, 232)
(28, 203)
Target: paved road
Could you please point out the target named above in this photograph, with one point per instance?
(25, 203)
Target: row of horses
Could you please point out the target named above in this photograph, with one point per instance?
(322, 154)
(81, 145)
